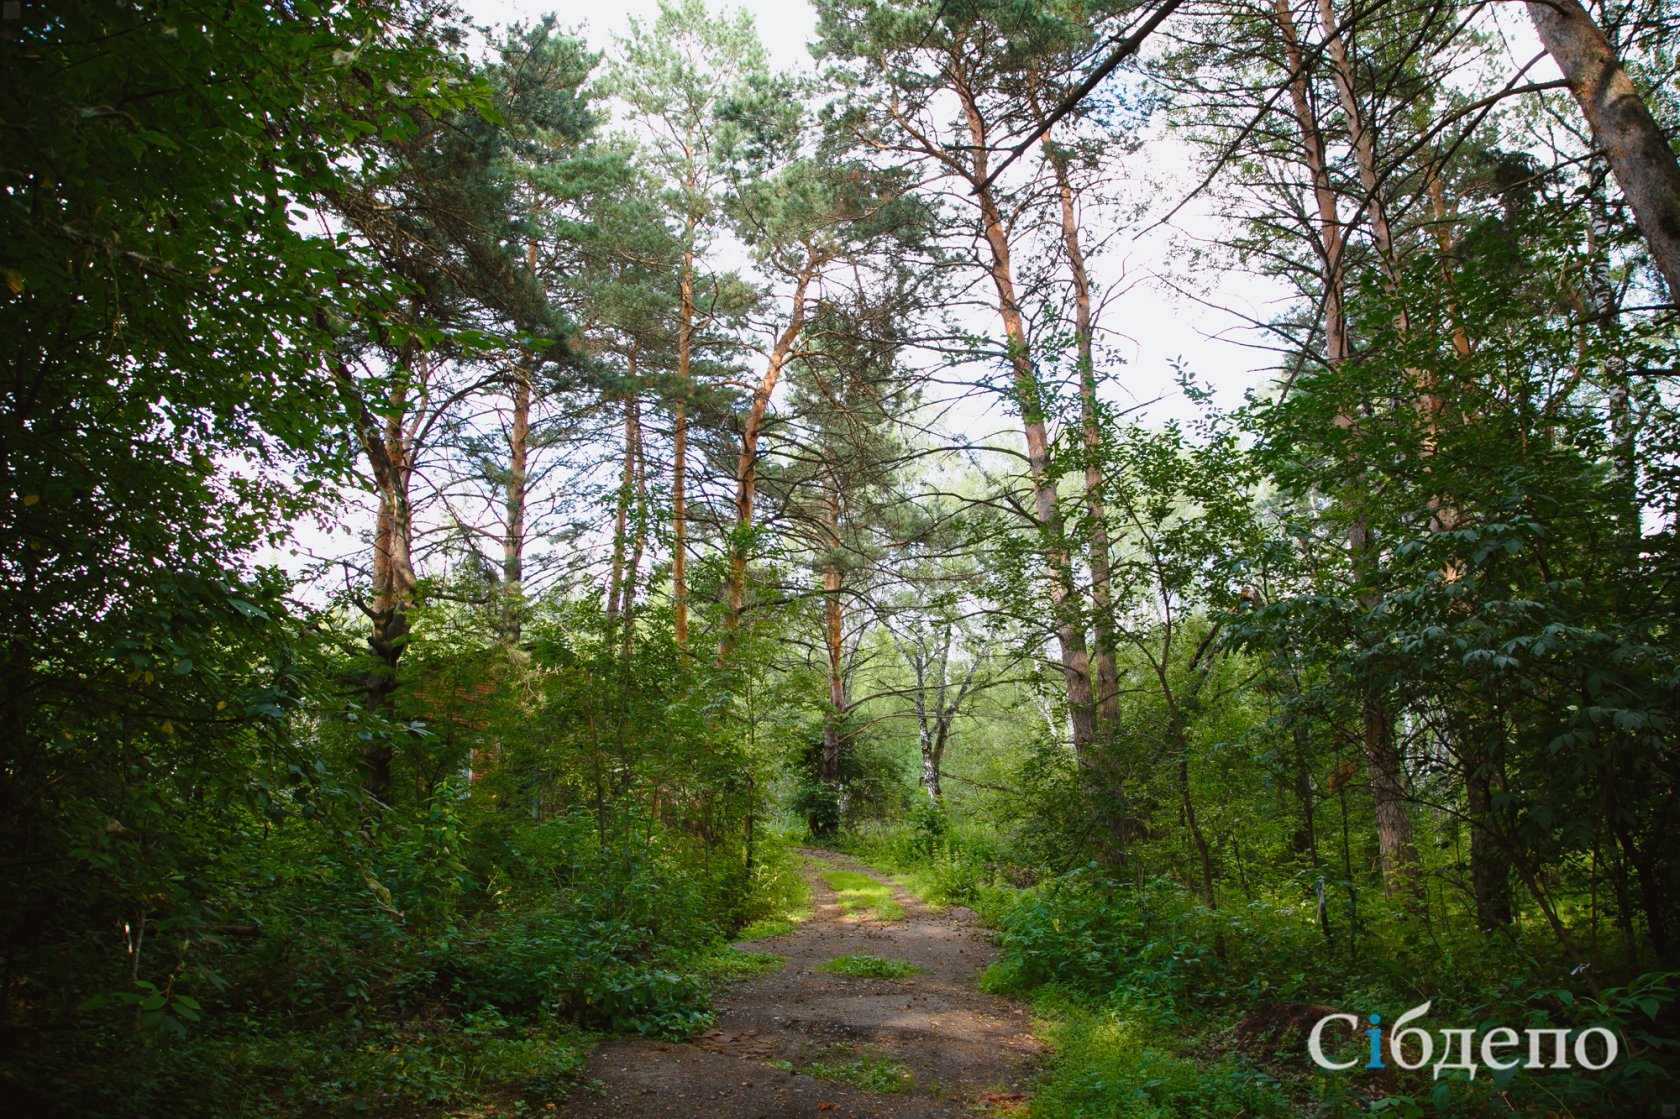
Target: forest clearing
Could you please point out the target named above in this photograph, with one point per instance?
(1060, 559)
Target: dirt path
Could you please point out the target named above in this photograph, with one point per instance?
(965, 1052)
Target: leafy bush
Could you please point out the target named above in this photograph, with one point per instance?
(1090, 935)
(779, 898)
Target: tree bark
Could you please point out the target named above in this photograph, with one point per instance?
(931, 723)
(1364, 145)
(1399, 858)
(746, 464)
(518, 486)
(679, 442)
(632, 568)
(1107, 681)
(1330, 232)
(1394, 827)
(1064, 604)
(513, 542)
(1622, 126)
(833, 633)
(390, 456)
(621, 512)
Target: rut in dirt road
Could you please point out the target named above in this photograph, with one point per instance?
(926, 1044)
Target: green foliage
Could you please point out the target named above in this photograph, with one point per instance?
(1092, 936)
(940, 857)
(415, 1066)
(868, 967)
(1113, 1061)
(1447, 549)
(1118, 967)
(780, 898)
(603, 945)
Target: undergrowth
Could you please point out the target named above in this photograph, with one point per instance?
(780, 898)
(1139, 988)
(464, 958)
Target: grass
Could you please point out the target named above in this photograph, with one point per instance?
(859, 893)
(732, 963)
(867, 1069)
(869, 967)
(1115, 1061)
(767, 927)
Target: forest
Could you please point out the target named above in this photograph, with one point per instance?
(495, 517)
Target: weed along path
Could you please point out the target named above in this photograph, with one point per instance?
(875, 1013)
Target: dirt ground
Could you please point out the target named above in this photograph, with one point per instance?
(967, 1053)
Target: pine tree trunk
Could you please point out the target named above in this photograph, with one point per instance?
(632, 568)
(390, 459)
(746, 465)
(1364, 145)
(518, 486)
(1107, 682)
(393, 583)
(1622, 126)
(833, 633)
(679, 444)
(621, 510)
(1064, 603)
(1330, 232)
(1399, 855)
(513, 542)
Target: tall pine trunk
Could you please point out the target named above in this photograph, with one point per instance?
(833, 635)
(1330, 232)
(632, 567)
(1064, 601)
(1622, 126)
(513, 539)
(679, 441)
(1400, 871)
(1107, 678)
(393, 585)
(622, 510)
(517, 489)
(746, 463)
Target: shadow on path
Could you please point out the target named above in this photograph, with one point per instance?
(966, 1052)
